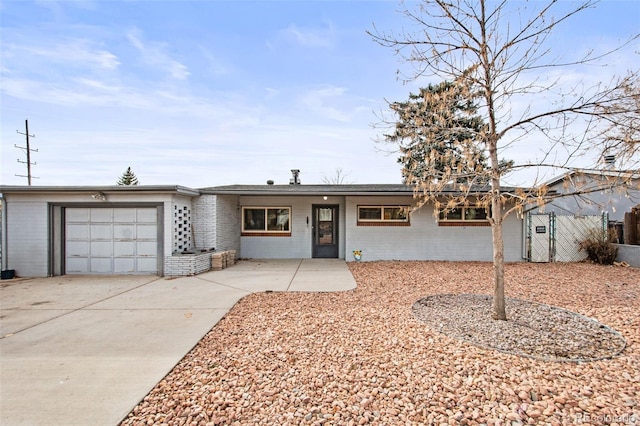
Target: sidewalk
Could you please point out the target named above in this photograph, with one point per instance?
(79, 350)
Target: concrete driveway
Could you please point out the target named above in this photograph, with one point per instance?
(80, 350)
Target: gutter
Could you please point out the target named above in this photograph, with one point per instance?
(117, 188)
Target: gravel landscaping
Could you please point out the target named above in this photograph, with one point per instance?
(383, 354)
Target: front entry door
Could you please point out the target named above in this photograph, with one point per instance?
(325, 231)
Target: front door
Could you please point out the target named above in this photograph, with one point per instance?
(325, 231)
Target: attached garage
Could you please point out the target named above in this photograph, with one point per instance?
(95, 230)
(108, 240)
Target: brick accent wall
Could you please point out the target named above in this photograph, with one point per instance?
(181, 265)
(204, 221)
(228, 220)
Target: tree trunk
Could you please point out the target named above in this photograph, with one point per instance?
(499, 312)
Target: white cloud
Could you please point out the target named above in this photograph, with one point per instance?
(271, 92)
(69, 52)
(310, 37)
(333, 103)
(154, 54)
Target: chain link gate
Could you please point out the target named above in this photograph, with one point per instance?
(553, 238)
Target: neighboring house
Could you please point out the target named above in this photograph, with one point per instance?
(610, 192)
(156, 229)
(583, 202)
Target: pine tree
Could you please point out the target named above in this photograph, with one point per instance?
(437, 132)
(128, 178)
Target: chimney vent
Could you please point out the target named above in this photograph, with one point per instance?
(295, 179)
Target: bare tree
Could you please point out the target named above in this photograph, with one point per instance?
(338, 179)
(621, 135)
(498, 54)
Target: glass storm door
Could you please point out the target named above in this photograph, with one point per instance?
(325, 231)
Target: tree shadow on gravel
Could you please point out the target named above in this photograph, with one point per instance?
(532, 330)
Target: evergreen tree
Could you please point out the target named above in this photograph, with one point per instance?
(128, 178)
(438, 133)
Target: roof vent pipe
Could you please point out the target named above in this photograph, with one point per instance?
(295, 179)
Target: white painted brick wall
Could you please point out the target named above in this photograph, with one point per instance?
(186, 265)
(299, 244)
(204, 222)
(228, 223)
(424, 239)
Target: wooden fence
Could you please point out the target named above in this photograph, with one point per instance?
(632, 226)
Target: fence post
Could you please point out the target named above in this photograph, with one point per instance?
(552, 236)
(529, 237)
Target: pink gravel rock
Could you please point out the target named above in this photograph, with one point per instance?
(297, 355)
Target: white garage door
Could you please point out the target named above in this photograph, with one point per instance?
(111, 240)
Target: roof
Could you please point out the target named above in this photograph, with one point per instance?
(265, 189)
(612, 173)
(350, 189)
(382, 189)
(6, 189)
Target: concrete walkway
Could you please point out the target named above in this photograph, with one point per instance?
(84, 350)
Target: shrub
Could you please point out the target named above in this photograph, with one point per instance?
(599, 250)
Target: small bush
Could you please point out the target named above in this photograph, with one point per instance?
(599, 250)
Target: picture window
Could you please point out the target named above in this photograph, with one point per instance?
(276, 220)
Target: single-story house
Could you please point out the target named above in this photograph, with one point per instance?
(589, 193)
(583, 202)
(53, 230)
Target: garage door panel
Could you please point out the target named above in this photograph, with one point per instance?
(149, 232)
(124, 248)
(124, 215)
(101, 215)
(124, 265)
(101, 265)
(101, 248)
(78, 265)
(78, 248)
(146, 248)
(147, 265)
(77, 231)
(77, 215)
(147, 215)
(118, 240)
(101, 232)
(124, 232)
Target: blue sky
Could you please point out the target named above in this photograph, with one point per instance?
(204, 93)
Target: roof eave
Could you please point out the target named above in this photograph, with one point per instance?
(8, 189)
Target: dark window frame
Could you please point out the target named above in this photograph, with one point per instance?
(383, 219)
(461, 215)
(264, 225)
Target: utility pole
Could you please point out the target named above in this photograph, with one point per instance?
(28, 150)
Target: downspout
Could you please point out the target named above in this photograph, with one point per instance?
(3, 231)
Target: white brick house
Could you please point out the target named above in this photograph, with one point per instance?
(172, 230)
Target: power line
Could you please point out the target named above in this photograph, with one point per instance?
(28, 150)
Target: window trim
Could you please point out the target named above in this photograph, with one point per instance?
(265, 232)
(444, 221)
(382, 221)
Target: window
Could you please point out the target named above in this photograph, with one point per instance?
(464, 214)
(257, 220)
(383, 215)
